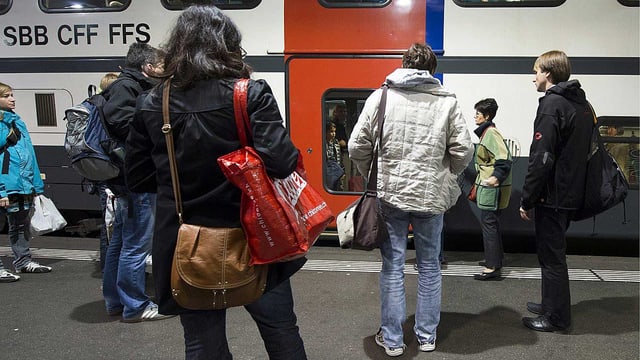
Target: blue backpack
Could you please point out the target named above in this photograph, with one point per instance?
(92, 152)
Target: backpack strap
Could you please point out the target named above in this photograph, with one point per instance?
(12, 139)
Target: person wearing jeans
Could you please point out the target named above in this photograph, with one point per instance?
(124, 271)
(425, 144)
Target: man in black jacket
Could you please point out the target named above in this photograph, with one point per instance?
(555, 182)
(124, 271)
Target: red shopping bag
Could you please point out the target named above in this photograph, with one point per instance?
(282, 218)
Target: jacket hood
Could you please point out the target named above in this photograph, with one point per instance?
(145, 82)
(570, 90)
(416, 80)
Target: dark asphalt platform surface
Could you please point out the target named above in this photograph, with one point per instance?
(61, 315)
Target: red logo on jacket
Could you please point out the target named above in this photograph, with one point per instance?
(537, 135)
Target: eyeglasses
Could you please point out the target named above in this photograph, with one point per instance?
(478, 114)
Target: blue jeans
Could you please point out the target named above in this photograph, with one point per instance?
(426, 237)
(205, 336)
(20, 235)
(123, 279)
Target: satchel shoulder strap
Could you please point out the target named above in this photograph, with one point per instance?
(372, 184)
(168, 135)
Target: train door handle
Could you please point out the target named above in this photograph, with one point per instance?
(309, 150)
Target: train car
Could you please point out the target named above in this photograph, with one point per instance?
(326, 56)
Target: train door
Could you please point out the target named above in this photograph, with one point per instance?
(319, 89)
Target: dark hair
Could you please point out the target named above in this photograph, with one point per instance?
(487, 107)
(204, 43)
(329, 126)
(421, 57)
(140, 54)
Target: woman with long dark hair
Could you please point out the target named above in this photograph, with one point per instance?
(204, 59)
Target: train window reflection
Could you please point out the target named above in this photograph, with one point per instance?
(341, 109)
(222, 4)
(509, 3)
(83, 5)
(354, 3)
(5, 5)
(620, 136)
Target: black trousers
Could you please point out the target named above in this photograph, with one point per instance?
(551, 245)
(492, 238)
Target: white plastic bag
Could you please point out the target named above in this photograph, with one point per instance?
(110, 212)
(344, 224)
(46, 218)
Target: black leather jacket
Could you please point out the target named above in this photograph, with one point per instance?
(203, 129)
(558, 154)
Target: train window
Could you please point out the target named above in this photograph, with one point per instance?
(83, 5)
(222, 4)
(621, 138)
(630, 2)
(509, 3)
(46, 110)
(354, 3)
(341, 109)
(5, 5)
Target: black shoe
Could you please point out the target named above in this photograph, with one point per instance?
(541, 323)
(484, 263)
(494, 275)
(535, 308)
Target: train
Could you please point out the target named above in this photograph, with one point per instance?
(319, 55)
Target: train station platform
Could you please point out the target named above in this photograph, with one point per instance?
(61, 315)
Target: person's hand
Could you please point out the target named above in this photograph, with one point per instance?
(525, 214)
(4, 202)
(491, 181)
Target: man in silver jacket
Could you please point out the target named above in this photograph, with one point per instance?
(425, 145)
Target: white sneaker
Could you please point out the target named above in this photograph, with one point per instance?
(7, 277)
(34, 267)
(427, 346)
(389, 350)
(150, 313)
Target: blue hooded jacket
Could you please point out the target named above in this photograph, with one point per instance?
(19, 173)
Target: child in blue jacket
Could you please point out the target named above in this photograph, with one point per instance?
(20, 181)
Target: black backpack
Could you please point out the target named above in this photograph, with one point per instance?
(605, 184)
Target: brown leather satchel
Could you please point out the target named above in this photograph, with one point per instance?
(210, 268)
